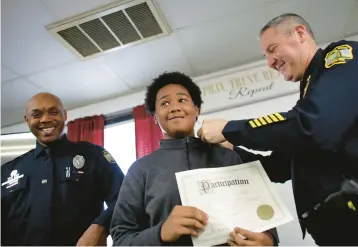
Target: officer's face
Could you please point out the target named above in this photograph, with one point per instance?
(283, 51)
(175, 111)
(46, 118)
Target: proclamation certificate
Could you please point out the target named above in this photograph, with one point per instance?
(234, 196)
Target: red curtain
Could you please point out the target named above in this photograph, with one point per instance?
(147, 132)
(89, 129)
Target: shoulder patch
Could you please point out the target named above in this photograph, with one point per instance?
(339, 55)
(108, 157)
(269, 119)
(18, 158)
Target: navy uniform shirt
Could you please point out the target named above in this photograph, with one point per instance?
(50, 196)
(320, 133)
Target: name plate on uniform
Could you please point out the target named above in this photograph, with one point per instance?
(235, 196)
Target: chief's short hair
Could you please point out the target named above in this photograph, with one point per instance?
(291, 19)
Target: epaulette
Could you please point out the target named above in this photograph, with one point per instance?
(332, 45)
(88, 147)
(85, 144)
(17, 159)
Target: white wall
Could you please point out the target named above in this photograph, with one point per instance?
(290, 233)
(13, 146)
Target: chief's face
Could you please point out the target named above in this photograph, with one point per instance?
(175, 111)
(284, 53)
(46, 118)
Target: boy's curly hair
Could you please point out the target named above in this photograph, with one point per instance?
(171, 78)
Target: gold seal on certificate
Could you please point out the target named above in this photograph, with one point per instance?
(265, 212)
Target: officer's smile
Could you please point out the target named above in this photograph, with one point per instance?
(48, 130)
(280, 67)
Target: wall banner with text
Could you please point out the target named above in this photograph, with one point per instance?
(244, 87)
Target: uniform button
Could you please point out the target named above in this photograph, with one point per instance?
(304, 215)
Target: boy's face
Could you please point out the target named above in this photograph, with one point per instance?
(175, 111)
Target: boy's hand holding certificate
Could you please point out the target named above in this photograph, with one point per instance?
(235, 196)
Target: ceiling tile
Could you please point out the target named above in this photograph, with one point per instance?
(13, 100)
(186, 13)
(88, 81)
(13, 115)
(223, 44)
(7, 74)
(10, 91)
(76, 7)
(352, 24)
(138, 65)
(326, 17)
(29, 47)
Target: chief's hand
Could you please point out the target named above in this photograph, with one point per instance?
(250, 238)
(227, 144)
(95, 235)
(211, 131)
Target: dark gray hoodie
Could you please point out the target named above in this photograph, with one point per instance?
(149, 191)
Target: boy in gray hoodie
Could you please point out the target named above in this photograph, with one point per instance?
(148, 209)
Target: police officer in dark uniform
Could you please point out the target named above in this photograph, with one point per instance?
(316, 143)
(55, 193)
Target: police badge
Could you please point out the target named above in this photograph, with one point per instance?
(78, 161)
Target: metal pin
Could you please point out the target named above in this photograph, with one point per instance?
(67, 172)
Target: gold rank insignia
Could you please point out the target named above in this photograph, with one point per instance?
(338, 55)
(108, 157)
(269, 119)
(351, 206)
(307, 84)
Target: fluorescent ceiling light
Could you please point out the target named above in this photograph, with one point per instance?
(21, 147)
(20, 136)
(15, 153)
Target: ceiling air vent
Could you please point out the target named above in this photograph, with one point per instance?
(111, 27)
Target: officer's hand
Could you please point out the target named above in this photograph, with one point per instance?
(95, 235)
(183, 220)
(249, 238)
(211, 131)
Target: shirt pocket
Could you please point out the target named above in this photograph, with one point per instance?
(71, 189)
